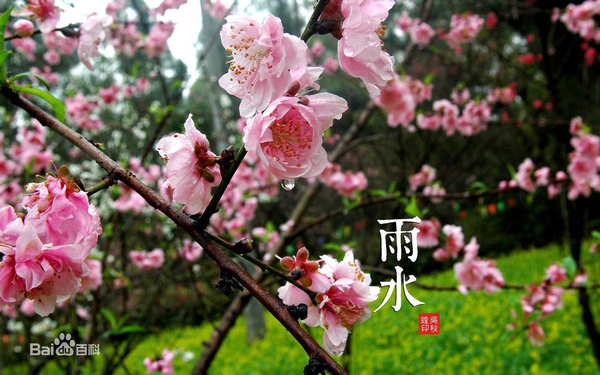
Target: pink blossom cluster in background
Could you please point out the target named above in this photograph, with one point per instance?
(147, 260)
(28, 152)
(447, 116)
(45, 251)
(583, 169)
(343, 293)
(346, 183)
(164, 365)
(463, 29)
(544, 297)
(420, 32)
(579, 19)
(475, 274)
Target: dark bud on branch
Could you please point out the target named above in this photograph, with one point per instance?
(299, 312)
(315, 366)
(328, 26)
(226, 159)
(297, 274)
(226, 283)
(243, 246)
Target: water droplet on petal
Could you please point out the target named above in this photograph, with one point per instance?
(288, 184)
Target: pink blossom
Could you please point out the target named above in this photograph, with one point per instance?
(91, 33)
(420, 90)
(113, 7)
(216, 8)
(535, 333)
(305, 271)
(45, 12)
(62, 44)
(52, 57)
(45, 273)
(504, 95)
(61, 213)
(26, 46)
(147, 260)
(93, 279)
(463, 29)
(331, 65)
(404, 22)
(191, 250)
(397, 100)
(421, 34)
(556, 274)
(346, 183)
(475, 273)
(126, 38)
(109, 94)
(580, 279)
(24, 28)
(163, 365)
(524, 174)
(455, 239)
(262, 57)
(166, 5)
(343, 304)
(425, 176)
(360, 50)
(448, 114)
(156, 41)
(288, 135)
(129, 200)
(428, 233)
(576, 125)
(191, 168)
(542, 176)
(460, 97)
(428, 122)
(80, 111)
(27, 307)
(441, 255)
(31, 149)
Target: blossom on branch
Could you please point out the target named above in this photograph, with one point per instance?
(46, 14)
(360, 50)
(262, 58)
(191, 168)
(288, 135)
(341, 303)
(91, 33)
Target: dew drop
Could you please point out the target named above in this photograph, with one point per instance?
(288, 184)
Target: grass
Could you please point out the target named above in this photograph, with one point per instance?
(471, 340)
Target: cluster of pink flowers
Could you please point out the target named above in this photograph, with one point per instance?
(80, 111)
(584, 162)
(166, 5)
(463, 29)
(424, 177)
(399, 98)
(583, 169)
(428, 233)
(91, 33)
(191, 168)
(455, 241)
(420, 32)
(504, 95)
(579, 19)
(45, 13)
(475, 273)
(474, 117)
(163, 365)
(128, 199)
(156, 40)
(546, 298)
(343, 293)
(346, 183)
(147, 260)
(215, 8)
(45, 252)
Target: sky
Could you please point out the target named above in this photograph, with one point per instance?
(187, 19)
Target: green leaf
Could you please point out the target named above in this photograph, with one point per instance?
(3, 21)
(412, 209)
(596, 234)
(133, 328)
(392, 187)
(3, 56)
(378, 193)
(110, 317)
(57, 105)
(570, 265)
(29, 74)
(512, 170)
(428, 78)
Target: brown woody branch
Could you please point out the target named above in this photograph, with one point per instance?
(182, 220)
